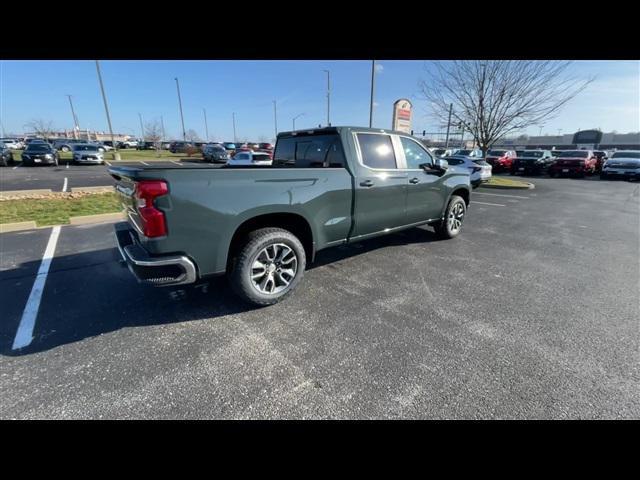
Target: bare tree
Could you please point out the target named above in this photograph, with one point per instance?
(153, 133)
(492, 98)
(42, 128)
(192, 136)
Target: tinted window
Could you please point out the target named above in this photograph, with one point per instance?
(377, 150)
(35, 147)
(454, 161)
(414, 154)
(314, 151)
(496, 153)
(626, 155)
(261, 157)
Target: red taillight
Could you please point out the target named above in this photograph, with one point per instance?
(153, 222)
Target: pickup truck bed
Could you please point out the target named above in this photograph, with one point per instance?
(189, 222)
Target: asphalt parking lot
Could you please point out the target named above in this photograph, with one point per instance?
(68, 176)
(531, 313)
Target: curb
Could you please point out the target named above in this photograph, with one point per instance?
(91, 189)
(18, 193)
(17, 226)
(101, 217)
(81, 220)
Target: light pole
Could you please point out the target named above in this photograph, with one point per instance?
(76, 127)
(373, 82)
(275, 118)
(184, 133)
(141, 126)
(328, 97)
(206, 127)
(540, 132)
(116, 155)
(446, 142)
(164, 135)
(235, 138)
(294, 120)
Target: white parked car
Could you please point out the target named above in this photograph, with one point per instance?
(87, 153)
(250, 158)
(479, 170)
(12, 144)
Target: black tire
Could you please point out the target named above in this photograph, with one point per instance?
(242, 265)
(552, 174)
(603, 176)
(512, 172)
(446, 229)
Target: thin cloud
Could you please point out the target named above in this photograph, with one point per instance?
(379, 68)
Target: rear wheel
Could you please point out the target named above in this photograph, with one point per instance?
(268, 267)
(552, 173)
(451, 226)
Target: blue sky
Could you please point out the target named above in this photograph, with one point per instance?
(38, 89)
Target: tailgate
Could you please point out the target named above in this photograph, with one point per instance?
(126, 178)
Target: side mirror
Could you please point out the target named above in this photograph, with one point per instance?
(439, 167)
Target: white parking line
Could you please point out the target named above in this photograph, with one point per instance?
(107, 163)
(144, 163)
(24, 335)
(492, 204)
(16, 167)
(498, 195)
(177, 163)
(67, 165)
(64, 187)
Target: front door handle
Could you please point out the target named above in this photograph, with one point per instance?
(414, 180)
(366, 183)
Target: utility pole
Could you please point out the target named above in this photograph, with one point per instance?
(462, 135)
(116, 155)
(76, 127)
(328, 97)
(446, 142)
(206, 127)
(235, 138)
(373, 82)
(275, 118)
(141, 126)
(184, 133)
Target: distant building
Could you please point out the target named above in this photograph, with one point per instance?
(608, 141)
(88, 135)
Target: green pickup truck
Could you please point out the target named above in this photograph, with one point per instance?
(261, 225)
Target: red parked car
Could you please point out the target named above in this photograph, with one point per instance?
(265, 146)
(574, 162)
(501, 160)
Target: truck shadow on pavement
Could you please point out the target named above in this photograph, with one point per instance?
(90, 294)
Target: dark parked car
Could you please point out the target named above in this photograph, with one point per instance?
(574, 162)
(532, 162)
(623, 163)
(179, 146)
(215, 153)
(261, 225)
(146, 146)
(265, 146)
(39, 154)
(6, 155)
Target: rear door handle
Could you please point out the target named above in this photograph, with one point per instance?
(366, 183)
(414, 180)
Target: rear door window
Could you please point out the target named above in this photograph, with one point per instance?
(311, 151)
(377, 150)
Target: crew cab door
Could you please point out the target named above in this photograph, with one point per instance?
(380, 186)
(425, 197)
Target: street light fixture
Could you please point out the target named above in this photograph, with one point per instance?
(294, 120)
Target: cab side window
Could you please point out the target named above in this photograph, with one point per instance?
(377, 150)
(414, 154)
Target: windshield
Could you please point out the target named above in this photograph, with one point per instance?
(496, 153)
(575, 154)
(230, 145)
(37, 147)
(85, 148)
(463, 152)
(261, 156)
(534, 154)
(626, 155)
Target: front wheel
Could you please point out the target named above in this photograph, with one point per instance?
(268, 267)
(451, 226)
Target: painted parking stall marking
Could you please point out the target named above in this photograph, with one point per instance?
(500, 195)
(491, 204)
(64, 185)
(24, 335)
